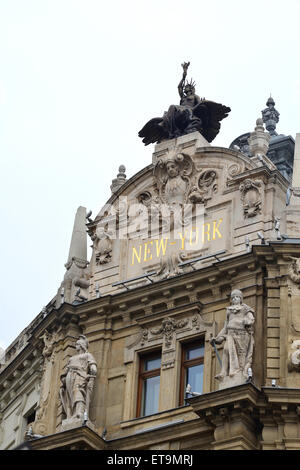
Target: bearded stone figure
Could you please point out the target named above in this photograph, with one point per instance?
(238, 336)
(78, 382)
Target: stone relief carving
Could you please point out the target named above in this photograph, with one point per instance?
(169, 266)
(205, 188)
(168, 328)
(78, 382)
(173, 178)
(294, 356)
(251, 199)
(235, 169)
(294, 270)
(166, 334)
(49, 353)
(76, 276)
(148, 199)
(237, 334)
(102, 244)
(293, 281)
(49, 340)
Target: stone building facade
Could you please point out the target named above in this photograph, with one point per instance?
(152, 299)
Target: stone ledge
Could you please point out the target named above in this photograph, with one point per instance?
(79, 437)
(225, 397)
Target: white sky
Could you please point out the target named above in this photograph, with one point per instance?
(78, 80)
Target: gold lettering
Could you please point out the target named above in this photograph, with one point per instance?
(182, 239)
(191, 236)
(206, 232)
(147, 252)
(216, 229)
(161, 246)
(138, 256)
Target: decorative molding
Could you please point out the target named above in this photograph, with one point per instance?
(235, 169)
(168, 328)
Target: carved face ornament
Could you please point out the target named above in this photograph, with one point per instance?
(172, 169)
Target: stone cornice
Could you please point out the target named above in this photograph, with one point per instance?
(282, 395)
(227, 397)
(158, 434)
(83, 436)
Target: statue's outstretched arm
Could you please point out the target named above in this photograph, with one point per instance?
(185, 66)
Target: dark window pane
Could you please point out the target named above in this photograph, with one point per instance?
(194, 377)
(153, 363)
(151, 395)
(194, 351)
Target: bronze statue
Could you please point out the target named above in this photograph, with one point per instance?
(192, 114)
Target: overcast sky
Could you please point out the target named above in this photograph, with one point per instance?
(78, 80)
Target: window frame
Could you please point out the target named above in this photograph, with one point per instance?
(143, 375)
(187, 363)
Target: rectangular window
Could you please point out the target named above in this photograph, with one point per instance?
(192, 365)
(149, 383)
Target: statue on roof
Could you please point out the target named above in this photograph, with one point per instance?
(270, 116)
(192, 114)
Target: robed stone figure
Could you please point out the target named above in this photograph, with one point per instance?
(78, 381)
(238, 336)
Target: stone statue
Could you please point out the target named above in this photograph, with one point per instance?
(78, 381)
(238, 336)
(270, 116)
(192, 114)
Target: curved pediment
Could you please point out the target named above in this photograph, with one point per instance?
(191, 202)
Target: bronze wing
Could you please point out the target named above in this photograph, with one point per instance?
(211, 114)
(153, 131)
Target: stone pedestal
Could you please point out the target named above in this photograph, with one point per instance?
(76, 423)
(187, 143)
(236, 379)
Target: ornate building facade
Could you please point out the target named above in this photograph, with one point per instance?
(181, 331)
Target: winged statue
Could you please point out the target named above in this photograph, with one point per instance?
(192, 114)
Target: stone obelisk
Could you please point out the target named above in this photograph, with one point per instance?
(76, 276)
